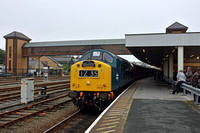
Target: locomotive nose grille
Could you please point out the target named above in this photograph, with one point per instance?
(88, 63)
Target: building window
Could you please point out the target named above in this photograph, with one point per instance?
(10, 50)
(32, 50)
(9, 66)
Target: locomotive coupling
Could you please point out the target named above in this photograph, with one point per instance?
(103, 96)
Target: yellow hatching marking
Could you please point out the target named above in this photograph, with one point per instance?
(112, 120)
(104, 128)
(108, 131)
(109, 123)
(115, 114)
(110, 117)
(117, 109)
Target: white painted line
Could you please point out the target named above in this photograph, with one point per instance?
(95, 122)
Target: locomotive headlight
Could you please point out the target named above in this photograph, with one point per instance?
(88, 82)
(78, 65)
(99, 65)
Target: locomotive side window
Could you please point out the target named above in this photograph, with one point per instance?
(107, 58)
(96, 55)
(86, 57)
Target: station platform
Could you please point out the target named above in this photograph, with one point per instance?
(148, 106)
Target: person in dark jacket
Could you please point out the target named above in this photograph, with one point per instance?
(195, 78)
(189, 75)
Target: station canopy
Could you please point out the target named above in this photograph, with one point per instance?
(155, 48)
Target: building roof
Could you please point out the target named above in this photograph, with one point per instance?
(16, 34)
(32, 62)
(75, 43)
(177, 26)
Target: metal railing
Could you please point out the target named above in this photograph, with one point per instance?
(193, 90)
(186, 88)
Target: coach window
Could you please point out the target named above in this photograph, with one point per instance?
(86, 57)
(107, 58)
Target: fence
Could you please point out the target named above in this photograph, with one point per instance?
(187, 88)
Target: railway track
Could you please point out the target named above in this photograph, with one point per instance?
(76, 123)
(18, 87)
(16, 95)
(10, 117)
(14, 81)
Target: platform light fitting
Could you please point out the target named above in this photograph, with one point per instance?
(167, 55)
(191, 56)
(173, 50)
(197, 57)
(143, 50)
(145, 58)
(163, 58)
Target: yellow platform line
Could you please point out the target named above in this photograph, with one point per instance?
(110, 117)
(108, 131)
(109, 123)
(117, 109)
(111, 120)
(104, 128)
(115, 114)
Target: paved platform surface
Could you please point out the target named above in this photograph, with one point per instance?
(156, 110)
(149, 107)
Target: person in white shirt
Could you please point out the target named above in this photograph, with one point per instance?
(181, 78)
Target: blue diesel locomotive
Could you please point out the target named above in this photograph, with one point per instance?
(98, 77)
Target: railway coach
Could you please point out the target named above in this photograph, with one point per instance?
(98, 77)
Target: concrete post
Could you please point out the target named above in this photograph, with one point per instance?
(171, 64)
(165, 69)
(180, 58)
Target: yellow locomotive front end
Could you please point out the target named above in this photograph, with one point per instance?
(91, 75)
(90, 83)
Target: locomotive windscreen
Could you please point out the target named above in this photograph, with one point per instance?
(96, 55)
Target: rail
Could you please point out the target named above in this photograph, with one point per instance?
(194, 91)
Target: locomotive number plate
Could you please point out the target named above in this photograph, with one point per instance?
(88, 73)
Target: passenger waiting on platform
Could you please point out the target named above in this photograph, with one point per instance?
(195, 78)
(188, 75)
(180, 79)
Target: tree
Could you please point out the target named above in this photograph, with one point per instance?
(2, 56)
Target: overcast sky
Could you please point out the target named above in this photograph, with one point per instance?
(59, 20)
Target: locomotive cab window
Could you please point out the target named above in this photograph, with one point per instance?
(107, 58)
(96, 55)
(86, 57)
